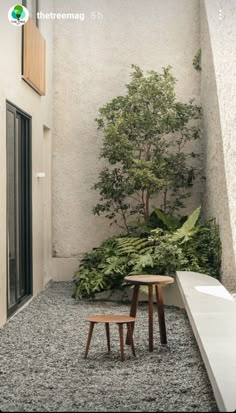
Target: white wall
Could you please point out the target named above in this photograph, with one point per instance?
(218, 96)
(88, 63)
(91, 66)
(14, 89)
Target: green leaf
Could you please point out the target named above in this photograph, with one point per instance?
(167, 220)
(142, 262)
(189, 227)
(114, 265)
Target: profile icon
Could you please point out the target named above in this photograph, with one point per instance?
(18, 15)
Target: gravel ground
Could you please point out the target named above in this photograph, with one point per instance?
(42, 366)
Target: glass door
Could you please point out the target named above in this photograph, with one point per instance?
(18, 207)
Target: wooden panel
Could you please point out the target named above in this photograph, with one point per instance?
(34, 57)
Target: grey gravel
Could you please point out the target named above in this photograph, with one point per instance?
(42, 366)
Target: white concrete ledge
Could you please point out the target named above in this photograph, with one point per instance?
(212, 314)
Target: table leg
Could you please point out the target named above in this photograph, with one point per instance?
(161, 315)
(89, 339)
(108, 336)
(121, 342)
(150, 307)
(133, 309)
(129, 328)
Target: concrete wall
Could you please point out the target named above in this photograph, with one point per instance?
(14, 89)
(91, 65)
(88, 63)
(218, 98)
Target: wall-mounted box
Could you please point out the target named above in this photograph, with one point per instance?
(40, 175)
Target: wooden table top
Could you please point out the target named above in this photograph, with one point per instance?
(110, 318)
(149, 279)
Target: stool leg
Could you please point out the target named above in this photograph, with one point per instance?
(133, 309)
(108, 336)
(89, 339)
(161, 315)
(130, 334)
(121, 332)
(150, 308)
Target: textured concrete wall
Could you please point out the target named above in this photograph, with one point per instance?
(14, 89)
(218, 96)
(91, 66)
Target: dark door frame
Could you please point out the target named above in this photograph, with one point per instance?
(27, 233)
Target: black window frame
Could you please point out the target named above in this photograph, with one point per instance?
(29, 229)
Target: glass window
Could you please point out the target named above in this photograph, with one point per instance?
(18, 207)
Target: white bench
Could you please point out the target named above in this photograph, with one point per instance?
(212, 314)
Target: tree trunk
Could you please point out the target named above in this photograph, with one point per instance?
(164, 200)
(147, 207)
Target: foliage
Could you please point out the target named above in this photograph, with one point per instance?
(187, 245)
(189, 228)
(166, 219)
(197, 61)
(145, 143)
(203, 250)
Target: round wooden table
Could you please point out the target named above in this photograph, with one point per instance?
(117, 319)
(150, 280)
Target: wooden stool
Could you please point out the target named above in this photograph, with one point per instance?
(107, 319)
(150, 281)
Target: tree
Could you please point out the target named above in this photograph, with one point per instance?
(145, 134)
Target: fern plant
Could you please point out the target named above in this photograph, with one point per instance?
(179, 245)
(133, 245)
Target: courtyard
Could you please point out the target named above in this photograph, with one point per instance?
(117, 149)
(42, 366)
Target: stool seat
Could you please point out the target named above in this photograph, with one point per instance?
(110, 318)
(107, 319)
(149, 279)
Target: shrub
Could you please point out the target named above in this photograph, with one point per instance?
(176, 246)
(203, 251)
